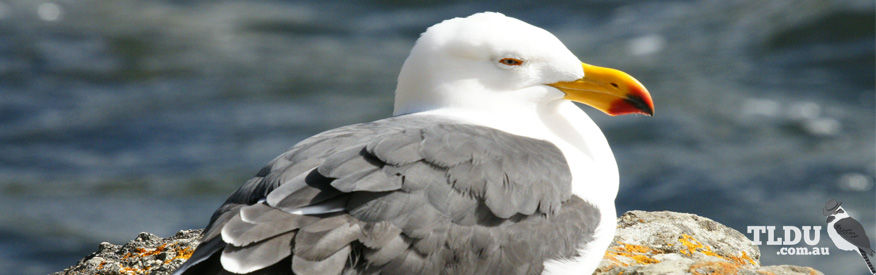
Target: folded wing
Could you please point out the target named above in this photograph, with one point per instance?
(409, 194)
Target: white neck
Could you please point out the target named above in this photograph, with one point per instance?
(591, 162)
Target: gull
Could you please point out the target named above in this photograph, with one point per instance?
(486, 167)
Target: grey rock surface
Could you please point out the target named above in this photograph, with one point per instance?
(146, 254)
(646, 243)
(667, 242)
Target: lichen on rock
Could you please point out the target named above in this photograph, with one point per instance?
(645, 243)
(146, 254)
(667, 242)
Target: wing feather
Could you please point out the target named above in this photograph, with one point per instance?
(853, 232)
(331, 265)
(323, 239)
(415, 194)
(256, 256)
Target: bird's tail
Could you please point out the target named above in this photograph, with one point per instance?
(867, 260)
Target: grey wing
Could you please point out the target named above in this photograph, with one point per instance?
(404, 195)
(852, 231)
(300, 159)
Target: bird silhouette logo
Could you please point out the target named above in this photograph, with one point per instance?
(846, 232)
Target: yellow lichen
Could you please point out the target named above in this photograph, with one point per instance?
(130, 270)
(692, 246)
(642, 255)
(639, 254)
(183, 253)
(180, 252)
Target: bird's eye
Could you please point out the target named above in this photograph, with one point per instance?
(840, 211)
(511, 61)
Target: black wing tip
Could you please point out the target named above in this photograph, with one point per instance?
(203, 252)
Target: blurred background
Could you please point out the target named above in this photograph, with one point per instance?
(121, 116)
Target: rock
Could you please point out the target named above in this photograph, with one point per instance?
(677, 243)
(146, 254)
(646, 243)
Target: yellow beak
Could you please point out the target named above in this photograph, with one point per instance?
(611, 91)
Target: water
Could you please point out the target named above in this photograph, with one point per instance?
(118, 117)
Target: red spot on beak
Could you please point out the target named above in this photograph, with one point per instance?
(637, 101)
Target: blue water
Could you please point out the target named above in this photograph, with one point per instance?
(118, 117)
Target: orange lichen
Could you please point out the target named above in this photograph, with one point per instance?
(180, 252)
(183, 253)
(742, 260)
(639, 254)
(692, 246)
(130, 270)
(145, 252)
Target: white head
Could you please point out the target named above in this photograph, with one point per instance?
(489, 60)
